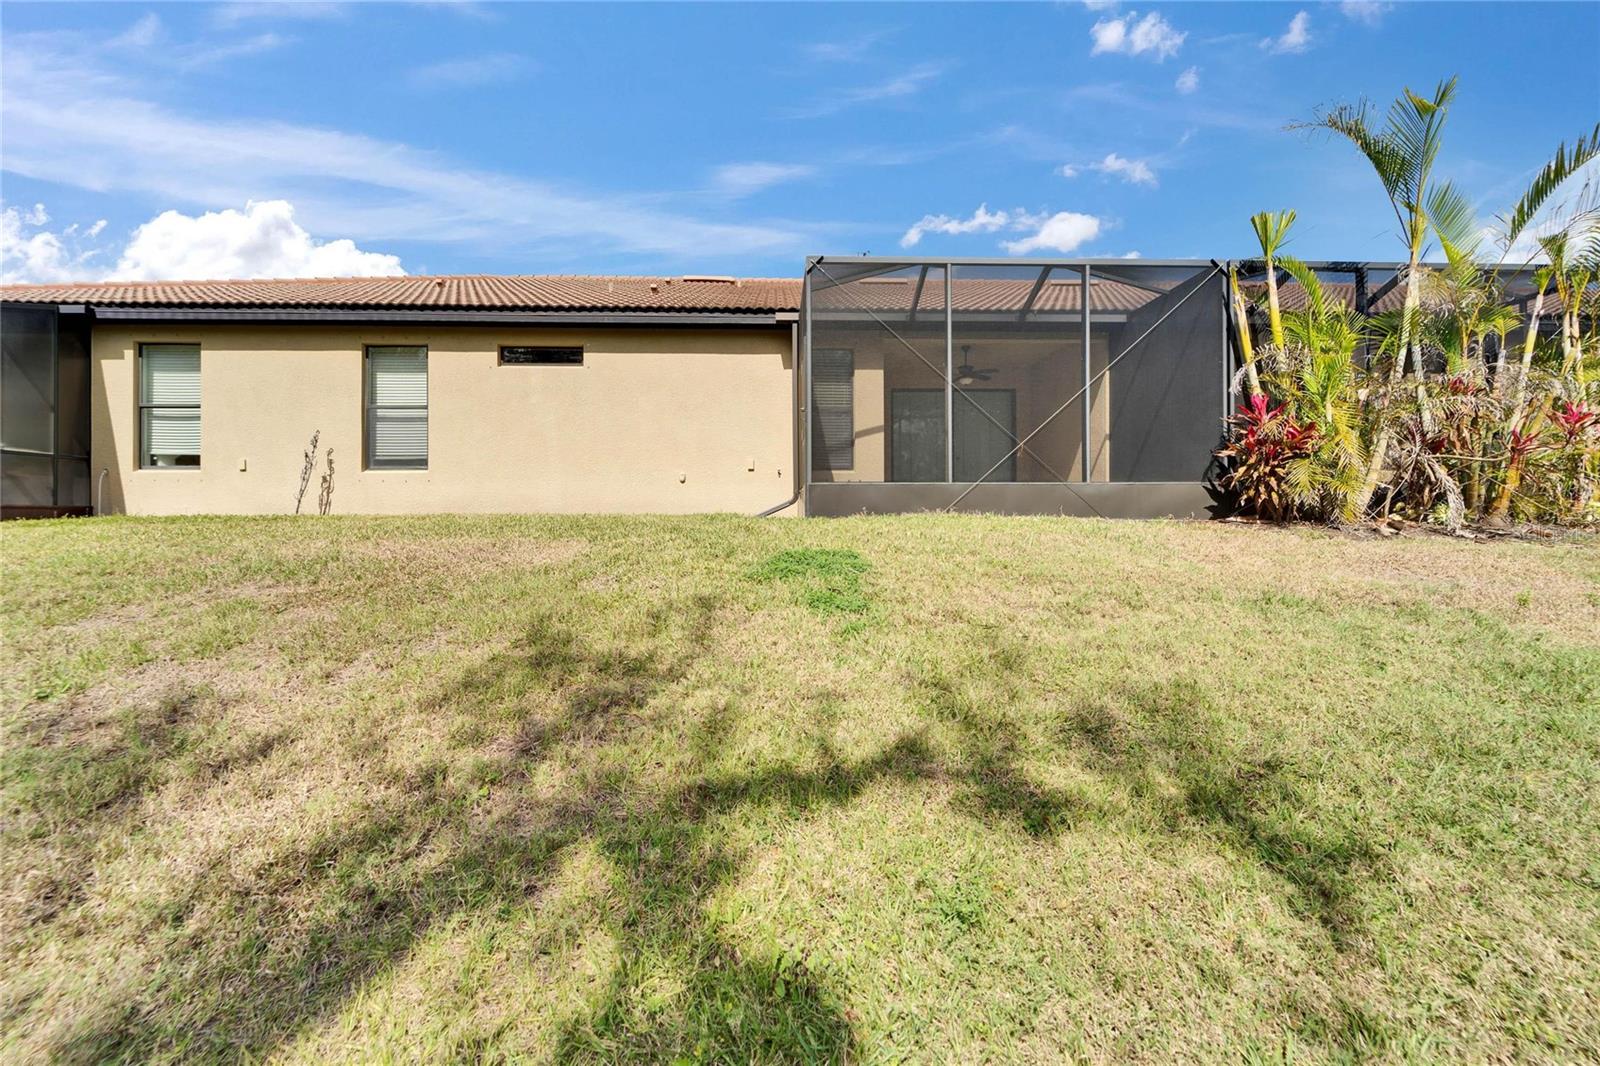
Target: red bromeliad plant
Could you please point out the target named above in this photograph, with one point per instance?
(1574, 418)
(1264, 442)
(1577, 459)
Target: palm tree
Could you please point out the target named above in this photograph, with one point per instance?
(1316, 382)
(1272, 230)
(1403, 153)
(1241, 321)
(1580, 220)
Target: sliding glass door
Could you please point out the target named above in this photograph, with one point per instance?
(985, 429)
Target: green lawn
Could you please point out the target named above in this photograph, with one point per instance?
(717, 789)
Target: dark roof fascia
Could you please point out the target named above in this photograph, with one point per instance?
(404, 316)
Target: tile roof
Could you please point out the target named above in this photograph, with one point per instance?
(597, 293)
(475, 292)
(533, 292)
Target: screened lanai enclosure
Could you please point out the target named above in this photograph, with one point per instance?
(44, 412)
(1048, 387)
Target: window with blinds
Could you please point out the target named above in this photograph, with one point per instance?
(397, 408)
(833, 409)
(169, 405)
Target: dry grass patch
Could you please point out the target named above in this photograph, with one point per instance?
(626, 789)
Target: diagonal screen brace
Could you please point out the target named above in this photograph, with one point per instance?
(944, 377)
(1073, 398)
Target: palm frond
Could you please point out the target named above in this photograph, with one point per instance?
(1563, 165)
(1353, 122)
(1307, 279)
(1272, 230)
(1413, 125)
(1455, 222)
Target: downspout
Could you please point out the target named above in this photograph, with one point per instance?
(794, 413)
(100, 492)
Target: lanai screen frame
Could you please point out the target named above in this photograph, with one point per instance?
(1106, 498)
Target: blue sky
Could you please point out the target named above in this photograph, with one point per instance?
(455, 138)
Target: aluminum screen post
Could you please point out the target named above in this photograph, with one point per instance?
(1227, 346)
(1088, 369)
(805, 389)
(949, 381)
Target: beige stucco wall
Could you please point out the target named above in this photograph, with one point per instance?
(655, 420)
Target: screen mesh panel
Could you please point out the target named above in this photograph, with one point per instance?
(885, 328)
(1165, 335)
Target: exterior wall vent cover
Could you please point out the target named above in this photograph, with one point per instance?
(540, 356)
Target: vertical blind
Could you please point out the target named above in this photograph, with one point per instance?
(833, 409)
(169, 404)
(397, 407)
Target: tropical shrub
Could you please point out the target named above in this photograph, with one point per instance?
(1455, 407)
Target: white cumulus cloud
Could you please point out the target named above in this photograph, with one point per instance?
(1131, 35)
(1061, 232)
(1188, 81)
(1297, 38)
(982, 221)
(262, 241)
(1133, 171)
(24, 256)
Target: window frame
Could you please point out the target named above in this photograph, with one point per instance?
(500, 358)
(367, 406)
(141, 406)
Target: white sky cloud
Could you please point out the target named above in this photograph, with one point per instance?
(900, 86)
(1132, 171)
(1297, 38)
(850, 50)
(471, 71)
(148, 34)
(982, 221)
(142, 34)
(744, 179)
(1062, 232)
(1131, 35)
(233, 14)
(77, 119)
(262, 241)
(1367, 12)
(471, 9)
(31, 256)
(1188, 81)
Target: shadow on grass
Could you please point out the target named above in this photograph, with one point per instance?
(269, 960)
(1163, 743)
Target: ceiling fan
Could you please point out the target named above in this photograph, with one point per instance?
(967, 374)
